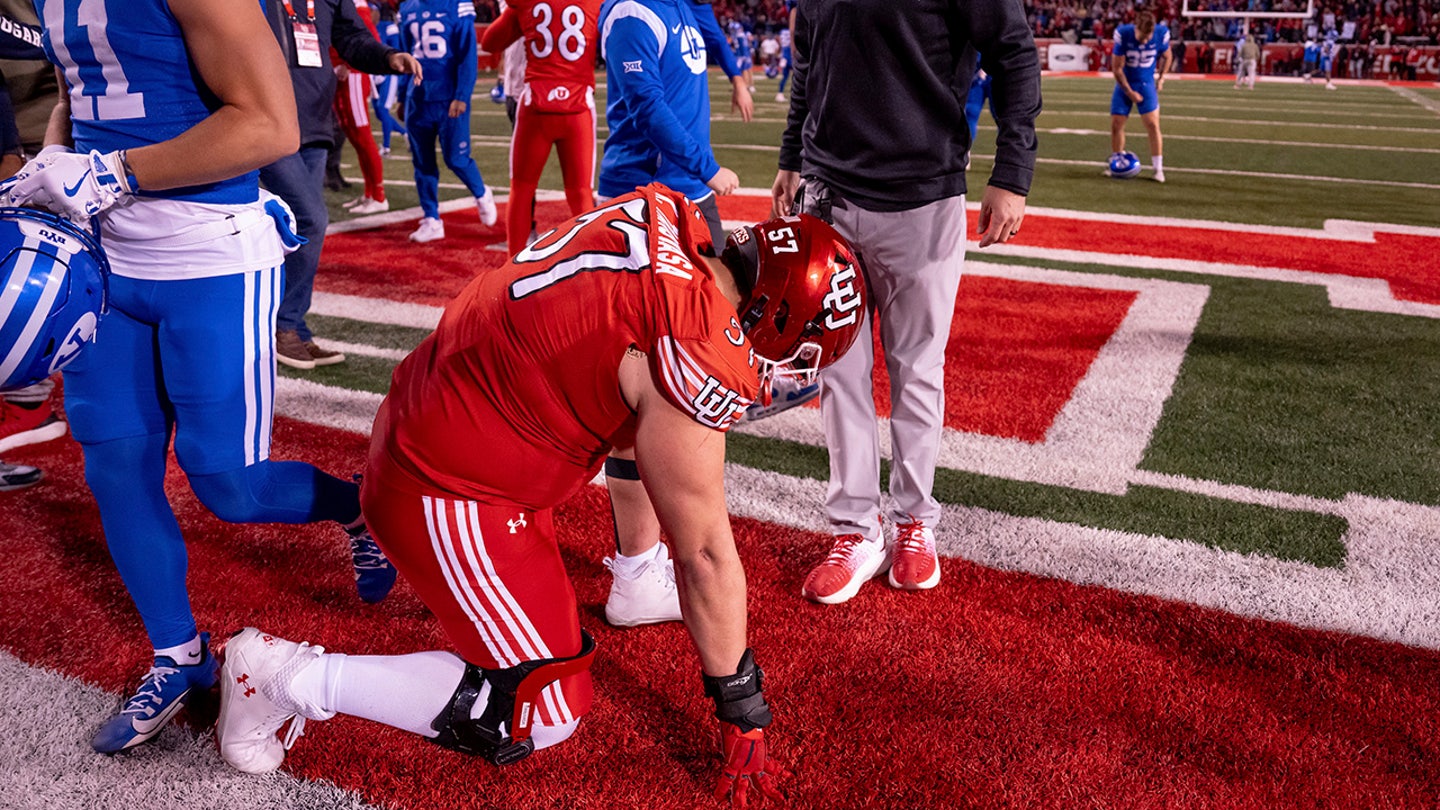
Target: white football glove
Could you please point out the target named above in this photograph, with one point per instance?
(73, 185)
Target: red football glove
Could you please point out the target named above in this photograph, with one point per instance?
(746, 765)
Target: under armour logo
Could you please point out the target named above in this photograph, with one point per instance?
(244, 680)
(517, 524)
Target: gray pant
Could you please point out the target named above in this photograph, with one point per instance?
(913, 261)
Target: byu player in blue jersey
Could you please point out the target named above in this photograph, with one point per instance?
(172, 106)
(742, 42)
(786, 58)
(441, 34)
(1310, 59)
(1139, 62)
(659, 104)
(1327, 58)
(389, 89)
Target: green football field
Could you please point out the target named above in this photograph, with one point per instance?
(1283, 154)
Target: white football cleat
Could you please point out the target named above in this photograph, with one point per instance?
(485, 204)
(370, 206)
(430, 229)
(1160, 177)
(780, 98)
(648, 597)
(255, 699)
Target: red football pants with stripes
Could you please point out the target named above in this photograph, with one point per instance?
(573, 137)
(352, 107)
(493, 577)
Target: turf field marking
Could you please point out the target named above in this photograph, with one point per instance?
(1238, 101)
(1263, 123)
(1385, 589)
(376, 310)
(1099, 437)
(1236, 173)
(1181, 105)
(50, 766)
(363, 350)
(1410, 95)
(1261, 141)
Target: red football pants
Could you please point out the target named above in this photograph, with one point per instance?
(493, 577)
(352, 106)
(573, 136)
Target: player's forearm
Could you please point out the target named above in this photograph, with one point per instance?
(712, 599)
(227, 144)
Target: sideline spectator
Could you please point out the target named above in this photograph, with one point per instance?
(299, 178)
(898, 194)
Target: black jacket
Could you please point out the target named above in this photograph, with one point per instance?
(337, 23)
(878, 106)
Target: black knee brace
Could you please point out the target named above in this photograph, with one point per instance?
(501, 734)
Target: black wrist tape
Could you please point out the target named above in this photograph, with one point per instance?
(622, 468)
(738, 698)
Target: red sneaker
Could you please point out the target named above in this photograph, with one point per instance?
(917, 566)
(21, 426)
(852, 562)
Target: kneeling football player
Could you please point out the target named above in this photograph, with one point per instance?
(613, 330)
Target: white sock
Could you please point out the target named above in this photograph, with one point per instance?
(1157, 162)
(402, 691)
(186, 654)
(629, 567)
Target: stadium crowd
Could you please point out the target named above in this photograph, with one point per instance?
(1383, 22)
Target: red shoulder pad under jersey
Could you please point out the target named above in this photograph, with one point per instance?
(562, 39)
(701, 358)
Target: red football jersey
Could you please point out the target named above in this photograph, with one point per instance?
(515, 398)
(562, 39)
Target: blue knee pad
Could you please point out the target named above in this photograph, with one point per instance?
(277, 492)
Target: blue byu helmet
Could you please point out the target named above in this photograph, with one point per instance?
(52, 294)
(1124, 165)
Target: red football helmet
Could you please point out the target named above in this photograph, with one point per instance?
(807, 294)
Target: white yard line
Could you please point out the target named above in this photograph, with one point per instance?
(1169, 136)
(1309, 178)
(1101, 113)
(1410, 95)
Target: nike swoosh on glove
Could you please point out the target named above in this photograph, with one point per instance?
(747, 766)
(73, 185)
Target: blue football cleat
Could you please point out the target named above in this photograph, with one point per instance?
(164, 690)
(374, 575)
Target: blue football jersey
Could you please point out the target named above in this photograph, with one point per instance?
(1139, 56)
(131, 82)
(441, 35)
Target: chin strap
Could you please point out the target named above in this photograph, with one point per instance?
(501, 734)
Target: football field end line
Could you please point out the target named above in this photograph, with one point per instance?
(1099, 437)
(49, 764)
(1344, 230)
(1377, 594)
(1344, 292)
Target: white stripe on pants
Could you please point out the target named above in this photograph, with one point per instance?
(913, 261)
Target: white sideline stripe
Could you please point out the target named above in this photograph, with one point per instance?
(1172, 105)
(1344, 292)
(1100, 113)
(1241, 101)
(1342, 229)
(376, 310)
(1099, 437)
(1409, 150)
(1410, 95)
(1235, 173)
(339, 408)
(49, 763)
(363, 350)
(1385, 590)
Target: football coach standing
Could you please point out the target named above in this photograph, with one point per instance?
(877, 129)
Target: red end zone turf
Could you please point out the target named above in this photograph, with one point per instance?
(995, 689)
